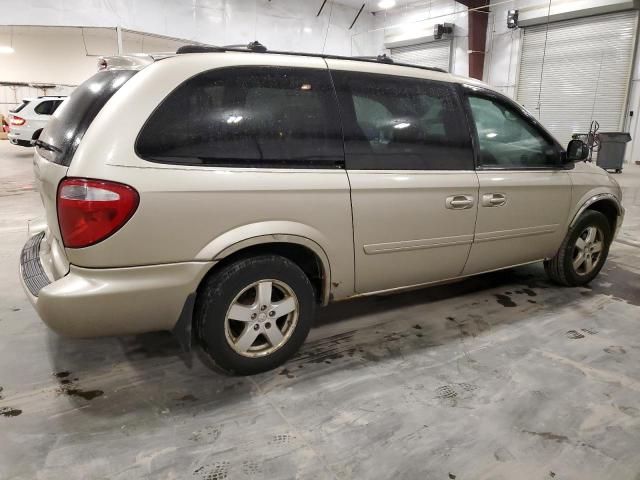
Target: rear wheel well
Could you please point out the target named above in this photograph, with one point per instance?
(302, 256)
(609, 210)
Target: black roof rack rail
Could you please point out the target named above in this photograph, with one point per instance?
(384, 58)
(254, 46)
(257, 47)
(199, 49)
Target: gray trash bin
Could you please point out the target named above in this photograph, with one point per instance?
(612, 147)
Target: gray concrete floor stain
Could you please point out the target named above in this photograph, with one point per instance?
(498, 377)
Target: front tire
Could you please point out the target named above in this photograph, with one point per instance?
(583, 251)
(254, 314)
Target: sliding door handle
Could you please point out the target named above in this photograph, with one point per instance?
(459, 202)
(493, 200)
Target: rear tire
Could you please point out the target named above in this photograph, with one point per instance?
(583, 251)
(254, 314)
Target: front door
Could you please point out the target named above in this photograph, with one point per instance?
(413, 187)
(525, 193)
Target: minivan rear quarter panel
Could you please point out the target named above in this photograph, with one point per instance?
(184, 208)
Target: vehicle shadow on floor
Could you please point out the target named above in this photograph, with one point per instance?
(23, 152)
(150, 370)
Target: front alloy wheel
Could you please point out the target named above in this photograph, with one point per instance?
(587, 250)
(583, 251)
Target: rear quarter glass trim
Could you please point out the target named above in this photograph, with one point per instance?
(333, 161)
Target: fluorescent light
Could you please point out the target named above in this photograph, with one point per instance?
(307, 29)
(6, 49)
(385, 4)
(402, 125)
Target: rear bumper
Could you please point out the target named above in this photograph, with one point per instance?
(111, 301)
(18, 139)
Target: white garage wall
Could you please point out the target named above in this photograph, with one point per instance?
(415, 22)
(59, 55)
(49, 55)
(53, 55)
(279, 24)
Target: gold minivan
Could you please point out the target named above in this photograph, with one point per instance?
(225, 194)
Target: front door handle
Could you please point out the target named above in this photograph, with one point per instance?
(459, 202)
(493, 200)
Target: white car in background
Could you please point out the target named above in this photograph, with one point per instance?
(29, 118)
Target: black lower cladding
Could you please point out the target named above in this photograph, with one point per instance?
(33, 274)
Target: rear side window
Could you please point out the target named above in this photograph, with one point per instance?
(400, 123)
(46, 108)
(70, 122)
(247, 117)
(20, 107)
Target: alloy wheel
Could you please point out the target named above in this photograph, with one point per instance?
(261, 318)
(587, 250)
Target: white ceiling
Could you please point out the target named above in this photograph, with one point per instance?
(371, 5)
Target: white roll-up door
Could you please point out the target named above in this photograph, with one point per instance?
(582, 75)
(431, 54)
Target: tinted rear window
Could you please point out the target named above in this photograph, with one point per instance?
(69, 123)
(402, 123)
(47, 107)
(248, 117)
(20, 107)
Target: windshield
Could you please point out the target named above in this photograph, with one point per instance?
(69, 123)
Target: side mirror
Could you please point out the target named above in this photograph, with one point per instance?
(577, 150)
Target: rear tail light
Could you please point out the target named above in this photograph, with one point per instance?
(17, 121)
(91, 210)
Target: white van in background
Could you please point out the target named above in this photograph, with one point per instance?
(28, 119)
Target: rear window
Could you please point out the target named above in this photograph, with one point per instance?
(20, 107)
(47, 107)
(402, 123)
(248, 117)
(69, 123)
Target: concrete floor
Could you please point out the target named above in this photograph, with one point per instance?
(500, 377)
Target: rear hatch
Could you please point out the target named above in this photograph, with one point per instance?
(58, 143)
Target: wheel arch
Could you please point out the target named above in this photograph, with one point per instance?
(299, 242)
(605, 203)
(305, 253)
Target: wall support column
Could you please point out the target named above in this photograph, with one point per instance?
(478, 20)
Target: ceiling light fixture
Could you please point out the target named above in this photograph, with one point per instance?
(6, 49)
(386, 4)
